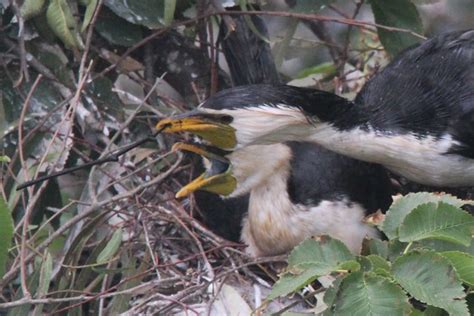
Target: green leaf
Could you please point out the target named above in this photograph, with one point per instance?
(404, 205)
(310, 6)
(90, 9)
(331, 294)
(322, 251)
(431, 279)
(30, 8)
(149, 13)
(470, 303)
(379, 262)
(437, 221)
(291, 282)
(170, 7)
(111, 248)
(442, 245)
(44, 281)
(62, 23)
(6, 234)
(325, 70)
(117, 31)
(311, 259)
(401, 14)
(375, 246)
(45, 275)
(463, 263)
(369, 294)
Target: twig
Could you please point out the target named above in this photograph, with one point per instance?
(27, 215)
(347, 40)
(90, 32)
(112, 157)
(139, 289)
(152, 255)
(7, 277)
(302, 16)
(21, 37)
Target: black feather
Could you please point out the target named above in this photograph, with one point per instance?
(318, 174)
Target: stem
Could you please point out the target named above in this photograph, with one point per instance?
(407, 247)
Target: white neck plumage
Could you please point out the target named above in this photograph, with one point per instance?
(263, 171)
(420, 159)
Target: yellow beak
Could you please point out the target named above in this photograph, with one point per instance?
(218, 179)
(214, 128)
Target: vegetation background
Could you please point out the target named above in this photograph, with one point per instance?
(81, 78)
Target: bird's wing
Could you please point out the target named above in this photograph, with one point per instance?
(427, 89)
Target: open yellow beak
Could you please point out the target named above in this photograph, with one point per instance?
(214, 128)
(218, 179)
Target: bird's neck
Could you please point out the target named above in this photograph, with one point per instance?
(270, 211)
(420, 158)
(273, 216)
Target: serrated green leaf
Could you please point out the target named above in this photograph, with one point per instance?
(463, 263)
(437, 221)
(311, 259)
(324, 251)
(442, 245)
(6, 234)
(379, 262)
(90, 9)
(62, 23)
(404, 205)
(374, 246)
(369, 294)
(431, 279)
(30, 8)
(111, 248)
(401, 14)
(429, 311)
(291, 282)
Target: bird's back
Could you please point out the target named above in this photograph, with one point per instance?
(427, 90)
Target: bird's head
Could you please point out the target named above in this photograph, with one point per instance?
(248, 125)
(259, 115)
(235, 173)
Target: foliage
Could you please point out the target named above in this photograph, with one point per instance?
(382, 283)
(6, 234)
(81, 78)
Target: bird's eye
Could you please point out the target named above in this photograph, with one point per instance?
(226, 119)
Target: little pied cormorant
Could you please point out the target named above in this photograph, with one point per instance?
(297, 190)
(415, 117)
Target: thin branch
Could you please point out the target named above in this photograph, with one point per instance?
(302, 16)
(21, 39)
(7, 277)
(347, 41)
(27, 215)
(90, 32)
(112, 157)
